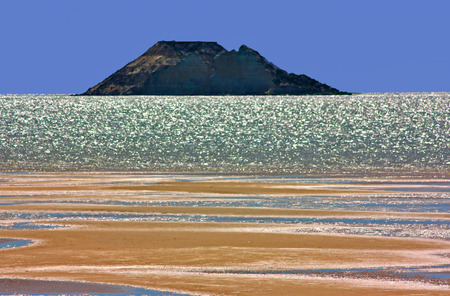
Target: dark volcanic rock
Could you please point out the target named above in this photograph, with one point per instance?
(205, 68)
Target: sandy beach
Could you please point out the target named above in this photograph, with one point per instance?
(141, 230)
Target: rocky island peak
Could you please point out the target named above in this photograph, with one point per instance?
(205, 68)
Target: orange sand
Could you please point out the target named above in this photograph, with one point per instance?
(199, 258)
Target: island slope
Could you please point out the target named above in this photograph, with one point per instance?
(205, 68)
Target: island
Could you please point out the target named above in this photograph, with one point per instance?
(205, 68)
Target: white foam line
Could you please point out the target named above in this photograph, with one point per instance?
(189, 271)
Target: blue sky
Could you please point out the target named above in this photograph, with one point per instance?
(67, 46)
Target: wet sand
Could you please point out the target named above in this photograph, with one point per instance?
(11, 286)
(5, 241)
(220, 258)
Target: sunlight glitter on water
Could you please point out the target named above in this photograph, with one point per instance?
(369, 133)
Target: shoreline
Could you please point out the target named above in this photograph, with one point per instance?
(394, 172)
(116, 233)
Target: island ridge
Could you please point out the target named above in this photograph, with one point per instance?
(205, 68)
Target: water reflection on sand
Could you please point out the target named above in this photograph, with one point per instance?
(392, 229)
(45, 287)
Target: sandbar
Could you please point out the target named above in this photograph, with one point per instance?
(202, 258)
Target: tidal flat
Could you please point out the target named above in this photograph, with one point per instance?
(223, 234)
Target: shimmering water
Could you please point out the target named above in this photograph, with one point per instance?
(394, 227)
(421, 273)
(13, 243)
(44, 287)
(295, 134)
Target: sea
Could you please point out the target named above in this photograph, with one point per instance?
(399, 141)
(358, 134)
